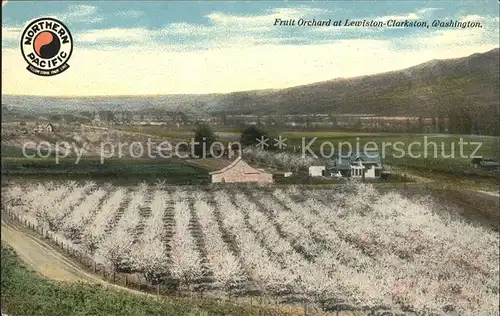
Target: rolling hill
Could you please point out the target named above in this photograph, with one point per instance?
(424, 89)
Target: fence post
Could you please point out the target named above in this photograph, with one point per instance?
(126, 283)
(93, 265)
(158, 289)
(114, 279)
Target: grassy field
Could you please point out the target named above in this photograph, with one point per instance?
(420, 151)
(406, 151)
(171, 171)
(428, 150)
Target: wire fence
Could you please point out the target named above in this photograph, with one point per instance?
(232, 305)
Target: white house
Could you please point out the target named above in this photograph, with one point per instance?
(317, 171)
(359, 165)
(357, 170)
(372, 172)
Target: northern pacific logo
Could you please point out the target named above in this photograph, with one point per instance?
(46, 45)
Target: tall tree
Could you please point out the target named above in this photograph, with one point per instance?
(408, 125)
(204, 137)
(441, 124)
(333, 119)
(251, 134)
(421, 126)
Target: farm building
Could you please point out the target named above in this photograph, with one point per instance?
(49, 128)
(240, 171)
(486, 163)
(359, 165)
(317, 171)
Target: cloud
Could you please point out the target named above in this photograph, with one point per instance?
(130, 14)
(267, 19)
(418, 14)
(74, 14)
(222, 28)
(409, 16)
(427, 11)
(232, 29)
(115, 35)
(474, 18)
(11, 33)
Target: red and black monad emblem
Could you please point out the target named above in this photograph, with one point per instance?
(46, 45)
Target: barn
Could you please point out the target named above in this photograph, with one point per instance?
(240, 171)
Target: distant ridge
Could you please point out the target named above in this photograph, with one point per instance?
(434, 87)
(420, 90)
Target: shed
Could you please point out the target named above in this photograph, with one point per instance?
(240, 171)
(317, 171)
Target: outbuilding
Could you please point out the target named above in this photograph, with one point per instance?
(317, 171)
(240, 171)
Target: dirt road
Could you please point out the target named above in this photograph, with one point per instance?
(495, 197)
(42, 258)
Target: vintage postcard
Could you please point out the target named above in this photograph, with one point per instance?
(250, 158)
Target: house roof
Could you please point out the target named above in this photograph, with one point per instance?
(367, 157)
(238, 161)
(344, 162)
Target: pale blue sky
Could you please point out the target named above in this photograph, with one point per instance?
(84, 16)
(231, 46)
